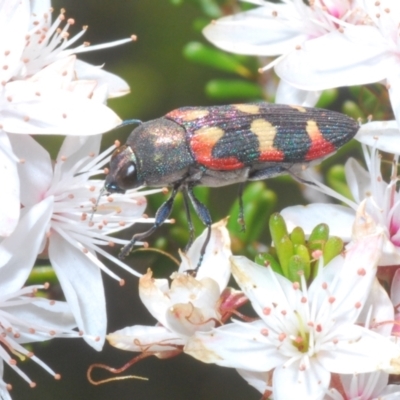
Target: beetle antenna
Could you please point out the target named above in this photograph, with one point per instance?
(94, 209)
(129, 122)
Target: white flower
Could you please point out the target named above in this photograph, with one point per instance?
(280, 30)
(46, 42)
(382, 200)
(187, 305)
(373, 386)
(353, 55)
(304, 334)
(57, 204)
(27, 318)
(44, 89)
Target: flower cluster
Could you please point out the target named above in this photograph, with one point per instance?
(318, 44)
(325, 335)
(46, 205)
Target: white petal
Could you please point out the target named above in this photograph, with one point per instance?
(261, 285)
(74, 149)
(235, 346)
(391, 392)
(359, 350)
(258, 380)
(357, 57)
(379, 310)
(383, 135)
(291, 382)
(154, 295)
(38, 9)
(390, 253)
(4, 394)
(358, 180)
(57, 75)
(288, 94)
(9, 200)
(145, 338)
(352, 284)
(340, 219)
(200, 292)
(116, 86)
(369, 385)
(258, 31)
(82, 286)
(15, 265)
(53, 112)
(215, 264)
(185, 319)
(36, 172)
(54, 315)
(14, 20)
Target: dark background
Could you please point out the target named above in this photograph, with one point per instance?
(160, 80)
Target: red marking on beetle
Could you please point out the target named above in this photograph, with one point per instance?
(202, 144)
(320, 147)
(271, 155)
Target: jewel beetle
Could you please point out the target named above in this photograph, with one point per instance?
(221, 145)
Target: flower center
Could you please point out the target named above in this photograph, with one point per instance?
(302, 340)
(301, 343)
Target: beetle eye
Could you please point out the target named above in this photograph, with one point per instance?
(127, 175)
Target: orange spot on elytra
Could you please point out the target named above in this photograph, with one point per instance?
(202, 144)
(320, 147)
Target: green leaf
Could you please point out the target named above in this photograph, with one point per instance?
(41, 275)
(285, 251)
(297, 236)
(210, 8)
(200, 23)
(258, 203)
(336, 179)
(266, 259)
(277, 227)
(352, 109)
(327, 98)
(318, 237)
(296, 266)
(333, 248)
(199, 53)
(224, 89)
(301, 251)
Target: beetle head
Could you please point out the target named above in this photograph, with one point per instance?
(123, 173)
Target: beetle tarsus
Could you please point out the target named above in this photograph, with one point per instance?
(135, 238)
(189, 220)
(205, 217)
(126, 249)
(161, 215)
(204, 248)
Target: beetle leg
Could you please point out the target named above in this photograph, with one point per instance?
(204, 215)
(272, 171)
(189, 220)
(301, 180)
(241, 212)
(161, 215)
(268, 172)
